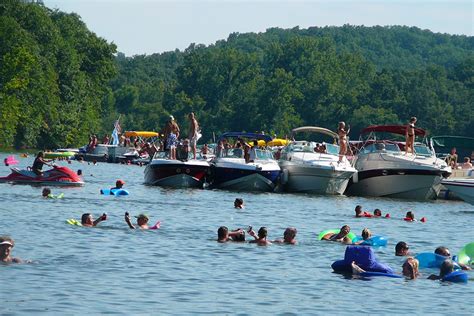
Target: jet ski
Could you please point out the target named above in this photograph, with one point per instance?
(61, 176)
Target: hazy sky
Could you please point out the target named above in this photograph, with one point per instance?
(153, 26)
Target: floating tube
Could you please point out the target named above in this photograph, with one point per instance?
(374, 241)
(364, 257)
(430, 260)
(74, 222)
(351, 235)
(456, 277)
(10, 161)
(58, 154)
(377, 274)
(115, 192)
(466, 255)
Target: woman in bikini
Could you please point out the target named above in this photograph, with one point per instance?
(410, 136)
(342, 139)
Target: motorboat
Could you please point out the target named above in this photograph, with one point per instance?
(230, 170)
(461, 187)
(180, 173)
(60, 176)
(386, 170)
(313, 167)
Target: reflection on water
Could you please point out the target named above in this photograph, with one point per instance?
(180, 269)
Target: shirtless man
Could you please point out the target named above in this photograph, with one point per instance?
(289, 237)
(223, 235)
(261, 238)
(193, 132)
(88, 221)
(6, 246)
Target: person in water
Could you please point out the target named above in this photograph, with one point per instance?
(444, 251)
(341, 236)
(289, 237)
(360, 213)
(37, 167)
(88, 221)
(410, 216)
(410, 136)
(142, 222)
(6, 246)
(366, 234)
(409, 268)
(261, 238)
(118, 185)
(446, 268)
(377, 213)
(223, 235)
(401, 249)
(239, 203)
(46, 193)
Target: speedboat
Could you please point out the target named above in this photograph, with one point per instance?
(312, 167)
(384, 169)
(230, 170)
(182, 173)
(61, 176)
(462, 188)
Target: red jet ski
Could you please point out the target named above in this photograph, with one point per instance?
(56, 176)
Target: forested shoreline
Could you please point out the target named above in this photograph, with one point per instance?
(59, 82)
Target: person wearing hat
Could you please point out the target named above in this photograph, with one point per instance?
(142, 222)
(171, 133)
(6, 245)
(118, 185)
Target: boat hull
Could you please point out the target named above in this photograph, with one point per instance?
(397, 183)
(462, 188)
(178, 174)
(59, 176)
(316, 180)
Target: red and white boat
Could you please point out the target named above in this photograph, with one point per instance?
(61, 176)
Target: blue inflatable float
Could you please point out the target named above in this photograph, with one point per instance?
(374, 241)
(364, 257)
(377, 274)
(456, 277)
(115, 192)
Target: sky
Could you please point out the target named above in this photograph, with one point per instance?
(155, 26)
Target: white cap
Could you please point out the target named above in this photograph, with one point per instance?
(6, 242)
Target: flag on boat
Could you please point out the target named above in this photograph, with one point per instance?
(116, 132)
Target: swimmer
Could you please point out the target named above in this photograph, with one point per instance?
(46, 193)
(366, 234)
(410, 216)
(88, 221)
(446, 268)
(401, 249)
(289, 237)
(118, 185)
(142, 222)
(223, 235)
(79, 172)
(377, 213)
(261, 238)
(339, 237)
(444, 251)
(239, 203)
(409, 268)
(360, 213)
(6, 246)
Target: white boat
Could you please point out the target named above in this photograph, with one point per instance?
(461, 187)
(385, 170)
(308, 171)
(230, 170)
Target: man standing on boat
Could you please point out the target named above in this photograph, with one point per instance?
(193, 134)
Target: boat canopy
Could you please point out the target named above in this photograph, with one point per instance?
(394, 129)
(141, 134)
(278, 142)
(453, 141)
(256, 136)
(314, 129)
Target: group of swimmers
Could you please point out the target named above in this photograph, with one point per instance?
(409, 217)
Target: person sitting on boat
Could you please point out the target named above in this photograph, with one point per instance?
(289, 237)
(341, 236)
(401, 249)
(239, 203)
(223, 234)
(261, 238)
(467, 163)
(6, 246)
(253, 152)
(204, 151)
(148, 148)
(88, 221)
(38, 164)
(410, 136)
(452, 159)
(343, 146)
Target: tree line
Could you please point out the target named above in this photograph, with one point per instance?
(61, 82)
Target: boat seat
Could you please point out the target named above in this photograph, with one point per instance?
(24, 172)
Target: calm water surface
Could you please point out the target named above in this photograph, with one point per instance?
(181, 269)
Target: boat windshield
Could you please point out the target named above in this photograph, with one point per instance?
(239, 153)
(313, 147)
(377, 147)
(423, 150)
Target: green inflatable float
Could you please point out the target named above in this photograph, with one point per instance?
(351, 235)
(466, 255)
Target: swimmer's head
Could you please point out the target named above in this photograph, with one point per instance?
(358, 210)
(366, 234)
(222, 233)
(262, 232)
(289, 234)
(86, 219)
(345, 230)
(119, 183)
(142, 219)
(446, 268)
(377, 212)
(401, 249)
(46, 192)
(239, 237)
(6, 245)
(239, 203)
(410, 215)
(410, 268)
(443, 251)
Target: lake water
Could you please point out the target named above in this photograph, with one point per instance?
(181, 269)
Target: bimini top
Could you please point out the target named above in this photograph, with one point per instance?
(141, 134)
(394, 129)
(256, 136)
(453, 141)
(313, 129)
